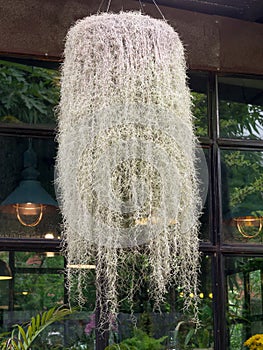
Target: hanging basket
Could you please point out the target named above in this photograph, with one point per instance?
(126, 159)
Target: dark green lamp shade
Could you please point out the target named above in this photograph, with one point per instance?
(5, 272)
(29, 191)
(29, 199)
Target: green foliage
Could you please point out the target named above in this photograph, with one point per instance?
(139, 341)
(237, 120)
(44, 290)
(27, 94)
(202, 338)
(200, 113)
(188, 336)
(245, 181)
(22, 337)
(145, 323)
(240, 119)
(245, 272)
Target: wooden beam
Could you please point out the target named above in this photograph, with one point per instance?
(34, 29)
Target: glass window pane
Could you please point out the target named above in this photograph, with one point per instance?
(173, 324)
(80, 329)
(203, 176)
(35, 291)
(38, 285)
(4, 283)
(33, 260)
(244, 278)
(28, 208)
(242, 178)
(28, 94)
(241, 107)
(198, 86)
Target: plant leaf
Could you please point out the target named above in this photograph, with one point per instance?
(43, 318)
(22, 333)
(29, 332)
(34, 328)
(37, 321)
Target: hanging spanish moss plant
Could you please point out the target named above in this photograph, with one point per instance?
(126, 159)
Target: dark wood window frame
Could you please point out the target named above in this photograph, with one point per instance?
(216, 247)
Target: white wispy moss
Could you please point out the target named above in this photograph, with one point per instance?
(126, 159)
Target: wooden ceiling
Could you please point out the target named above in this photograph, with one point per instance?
(247, 10)
(214, 35)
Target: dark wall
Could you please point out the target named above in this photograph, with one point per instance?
(37, 29)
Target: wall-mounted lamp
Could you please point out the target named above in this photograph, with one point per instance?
(29, 200)
(249, 226)
(5, 271)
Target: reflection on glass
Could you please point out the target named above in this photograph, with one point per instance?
(203, 176)
(244, 299)
(28, 94)
(37, 286)
(255, 292)
(173, 324)
(81, 327)
(38, 291)
(242, 179)
(12, 155)
(199, 101)
(33, 260)
(241, 107)
(4, 286)
(198, 86)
